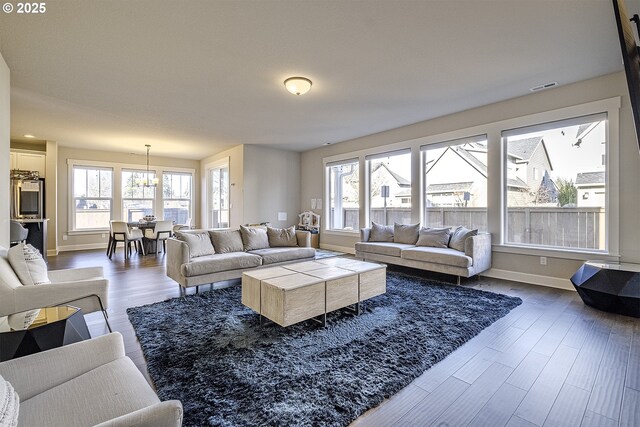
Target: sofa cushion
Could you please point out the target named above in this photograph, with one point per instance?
(199, 243)
(382, 248)
(406, 233)
(434, 237)
(279, 237)
(117, 388)
(381, 233)
(9, 404)
(220, 262)
(445, 256)
(28, 265)
(459, 236)
(225, 241)
(275, 255)
(254, 238)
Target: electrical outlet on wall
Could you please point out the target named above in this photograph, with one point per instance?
(65, 237)
(543, 260)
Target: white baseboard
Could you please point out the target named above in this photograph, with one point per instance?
(52, 252)
(345, 249)
(69, 248)
(534, 279)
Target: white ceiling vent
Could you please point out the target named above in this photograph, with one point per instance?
(544, 86)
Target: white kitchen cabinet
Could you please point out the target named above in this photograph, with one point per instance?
(29, 162)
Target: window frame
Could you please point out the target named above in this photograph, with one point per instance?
(327, 167)
(222, 163)
(382, 155)
(73, 198)
(154, 190)
(168, 173)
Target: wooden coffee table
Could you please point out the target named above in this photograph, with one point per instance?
(295, 292)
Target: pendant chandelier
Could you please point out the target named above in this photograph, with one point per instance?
(147, 181)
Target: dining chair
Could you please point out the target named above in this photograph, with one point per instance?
(122, 233)
(17, 232)
(185, 226)
(161, 232)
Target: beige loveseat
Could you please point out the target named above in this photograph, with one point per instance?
(412, 246)
(198, 257)
(90, 383)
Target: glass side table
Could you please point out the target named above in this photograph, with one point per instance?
(52, 327)
(609, 286)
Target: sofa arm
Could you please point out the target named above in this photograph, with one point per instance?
(304, 238)
(36, 373)
(364, 234)
(83, 294)
(479, 249)
(163, 414)
(177, 254)
(75, 274)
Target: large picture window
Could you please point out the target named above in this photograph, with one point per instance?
(344, 195)
(137, 200)
(176, 191)
(455, 183)
(92, 189)
(556, 184)
(390, 187)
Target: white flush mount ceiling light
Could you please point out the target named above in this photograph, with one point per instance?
(298, 85)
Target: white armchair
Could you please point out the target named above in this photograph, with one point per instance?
(85, 288)
(90, 383)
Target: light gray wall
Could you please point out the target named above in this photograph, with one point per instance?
(271, 185)
(51, 196)
(564, 96)
(5, 123)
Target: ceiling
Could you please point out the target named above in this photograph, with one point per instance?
(192, 78)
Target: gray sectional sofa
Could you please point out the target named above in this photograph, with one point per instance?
(457, 251)
(198, 257)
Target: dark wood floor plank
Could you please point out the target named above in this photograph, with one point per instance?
(568, 409)
(585, 369)
(630, 413)
(500, 408)
(389, 411)
(516, 421)
(439, 373)
(633, 369)
(556, 333)
(591, 419)
(473, 369)
(578, 332)
(606, 396)
(467, 406)
(528, 370)
(505, 339)
(430, 408)
(537, 404)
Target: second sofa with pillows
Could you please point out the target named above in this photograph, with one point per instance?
(458, 251)
(198, 257)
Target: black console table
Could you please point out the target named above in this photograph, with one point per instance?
(612, 287)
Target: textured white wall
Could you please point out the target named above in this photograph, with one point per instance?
(5, 123)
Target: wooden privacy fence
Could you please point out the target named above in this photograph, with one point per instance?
(580, 228)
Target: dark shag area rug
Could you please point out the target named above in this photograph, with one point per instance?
(209, 352)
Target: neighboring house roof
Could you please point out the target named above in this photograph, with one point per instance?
(402, 182)
(472, 160)
(523, 149)
(581, 129)
(516, 182)
(405, 193)
(450, 187)
(590, 178)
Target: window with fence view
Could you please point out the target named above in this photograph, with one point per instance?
(344, 195)
(92, 197)
(455, 183)
(176, 195)
(556, 184)
(137, 199)
(390, 188)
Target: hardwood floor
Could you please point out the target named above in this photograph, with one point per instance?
(550, 362)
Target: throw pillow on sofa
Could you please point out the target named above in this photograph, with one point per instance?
(459, 236)
(279, 237)
(406, 233)
(381, 233)
(254, 238)
(225, 241)
(28, 265)
(434, 237)
(199, 243)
